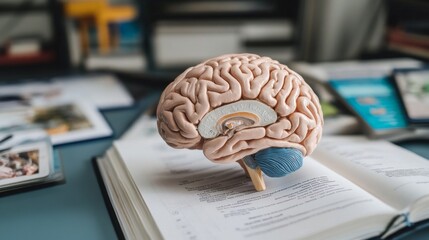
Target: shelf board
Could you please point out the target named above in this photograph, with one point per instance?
(18, 8)
(207, 10)
(217, 16)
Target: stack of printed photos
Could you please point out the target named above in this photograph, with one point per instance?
(27, 160)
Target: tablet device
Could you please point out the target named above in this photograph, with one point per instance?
(374, 101)
(413, 88)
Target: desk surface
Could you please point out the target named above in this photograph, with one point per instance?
(76, 209)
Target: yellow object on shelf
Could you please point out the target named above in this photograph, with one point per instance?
(99, 13)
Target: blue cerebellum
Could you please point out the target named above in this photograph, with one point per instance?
(276, 162)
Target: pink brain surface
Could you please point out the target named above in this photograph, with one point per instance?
(231, 80)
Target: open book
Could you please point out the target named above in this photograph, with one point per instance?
(350, 188)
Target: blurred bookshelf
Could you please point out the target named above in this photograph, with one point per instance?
(103, 35)
(177, 34)
(24, 48)
(408, 28)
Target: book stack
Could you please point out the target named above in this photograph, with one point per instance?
(409, 42)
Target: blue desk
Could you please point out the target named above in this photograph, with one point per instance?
(76, 210)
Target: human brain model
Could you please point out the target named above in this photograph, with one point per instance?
(243, 108)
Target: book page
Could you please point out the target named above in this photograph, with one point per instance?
(393, 174)
(191, 198)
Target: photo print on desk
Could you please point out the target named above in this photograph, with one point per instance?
(65, 122)
(19, 164)
(28, 161)
(24, 163)
(61, 119)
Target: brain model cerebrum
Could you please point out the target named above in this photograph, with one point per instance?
(245, 108)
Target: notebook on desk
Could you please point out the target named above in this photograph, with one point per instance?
(161, 193)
